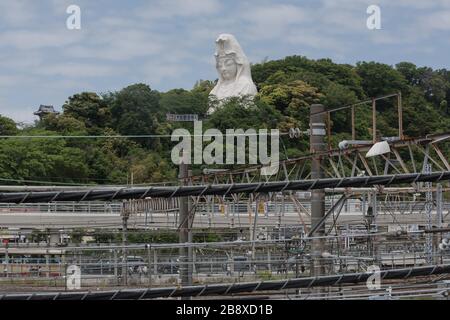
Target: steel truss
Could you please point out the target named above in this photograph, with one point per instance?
(406, 155)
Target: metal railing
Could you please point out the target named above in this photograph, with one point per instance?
(270, 208)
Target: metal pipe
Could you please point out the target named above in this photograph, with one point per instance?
(233, 288)
(222, 189)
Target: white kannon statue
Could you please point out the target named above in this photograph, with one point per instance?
(235, 77)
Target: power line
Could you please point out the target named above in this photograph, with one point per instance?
(140, 136)
(80, 184)
(43, 182)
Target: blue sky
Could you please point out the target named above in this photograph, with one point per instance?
(170, 43)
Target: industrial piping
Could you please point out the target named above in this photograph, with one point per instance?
(221, 189)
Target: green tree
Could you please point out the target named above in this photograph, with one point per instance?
(184, 102)
(8, 127)
(335, 96)
(89, 108)
(64, 124)
(135, 111)
(380, 79)
(410, 72)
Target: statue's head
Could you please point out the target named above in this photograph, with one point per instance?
(227, 67)
(230, 59)
(235, 77)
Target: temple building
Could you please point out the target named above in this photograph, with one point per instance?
(45, 110)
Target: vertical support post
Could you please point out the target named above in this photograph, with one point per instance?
(375, 206)
(194, 259)
(363, 204)
(255, 224)
(400, 116)
(211, 212)
(439, 217)
(428, 209)
(439, 205)
(125, 215)
(47, 264)
(155, 262)
(149, 266)
(185, 277)
(373, 222)
(6, 266)
(374, 120)
(115, 264)
(353, 124)
(65, 276)
(318, 132)
(232, 262)
(329, 130)
(190, 258)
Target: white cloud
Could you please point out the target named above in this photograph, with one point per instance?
(275, 14)
(121, 45)
(77, 70)
(166, 9)
(268, 21)
(155, 72)
(21, 61)
(18, 12)
(343, 21)
(416, 4)
(315, 41)
(439, 20)
(27, 39)
(412, 4)
(8, 81)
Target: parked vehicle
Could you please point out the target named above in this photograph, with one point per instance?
(168, 267)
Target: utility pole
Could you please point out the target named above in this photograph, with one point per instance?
(428, 210)
(185, 234)
(439, 217)
(125, 216)
(190, 249)
(253, 232)
(317, 145)
(184, 231)
(149, 265)
(373, 224)
(115, 265)
(6, 266)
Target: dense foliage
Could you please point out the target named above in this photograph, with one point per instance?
(286, 88)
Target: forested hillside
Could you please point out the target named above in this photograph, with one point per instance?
(286, 88)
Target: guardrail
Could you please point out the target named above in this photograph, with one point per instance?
(275, 207)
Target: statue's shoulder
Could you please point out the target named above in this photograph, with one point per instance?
(247, 87)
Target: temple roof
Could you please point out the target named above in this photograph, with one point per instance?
(43, 109)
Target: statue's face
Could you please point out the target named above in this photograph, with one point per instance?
(227, 68)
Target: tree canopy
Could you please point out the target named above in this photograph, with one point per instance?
(286, 89)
